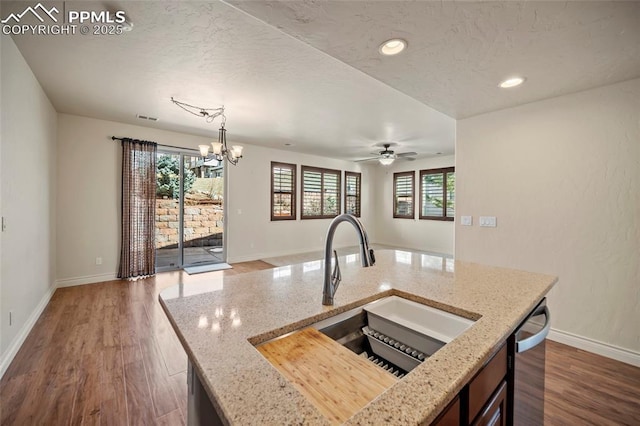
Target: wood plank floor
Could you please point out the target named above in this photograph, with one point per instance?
(103, 354)
(106, 354)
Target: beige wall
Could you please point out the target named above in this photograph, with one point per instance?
(88, 189)
(28, 155)
(563, 178)
(252, 234)
(88, 203)
(426, 235)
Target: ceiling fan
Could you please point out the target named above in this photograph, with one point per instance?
(387, 156)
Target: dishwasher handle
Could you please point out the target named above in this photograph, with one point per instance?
(534, 340)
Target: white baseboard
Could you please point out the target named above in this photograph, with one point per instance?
(610, 351)
(434, 250)
(258, 256)
(89, 279)
(14, 347)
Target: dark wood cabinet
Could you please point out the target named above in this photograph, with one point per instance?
(495, 412)
(483, 401)
(483, 386)
(450, 416)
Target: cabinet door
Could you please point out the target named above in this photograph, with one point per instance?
(484, 385)
(450, 416)
(495, 412)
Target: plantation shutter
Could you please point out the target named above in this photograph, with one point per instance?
(437, 194)
(432, 194)
(403, 206)
(320, 193)
(352, 183)
(283, 191)
(450, 186)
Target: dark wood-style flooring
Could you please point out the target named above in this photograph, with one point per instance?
(106, 354)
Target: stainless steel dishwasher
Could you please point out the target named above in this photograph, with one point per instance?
(526, 367)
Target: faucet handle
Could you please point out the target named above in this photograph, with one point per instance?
(336, 276)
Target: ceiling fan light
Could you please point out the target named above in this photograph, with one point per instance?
(386, 161)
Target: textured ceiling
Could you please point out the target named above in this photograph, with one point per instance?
(276, 89)
(459, 51)
(308, 73)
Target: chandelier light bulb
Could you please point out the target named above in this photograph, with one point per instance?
(217, 148)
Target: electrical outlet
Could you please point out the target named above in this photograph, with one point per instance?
(466, 220)
(98, 261)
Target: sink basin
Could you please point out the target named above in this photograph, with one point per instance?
(367, 349)
(395, 333)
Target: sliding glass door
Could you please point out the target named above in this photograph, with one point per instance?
(189, 211)
(202, 212)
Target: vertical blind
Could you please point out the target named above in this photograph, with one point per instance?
(403, 194)
(283, 191)
(320, 193)
(352, 193)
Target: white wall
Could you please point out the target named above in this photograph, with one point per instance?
(28, 155)
(252, 234)
(426, 235)
(563, 178)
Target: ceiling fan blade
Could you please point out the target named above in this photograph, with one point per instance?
(409, 158)
(366, 159)
(406, 154)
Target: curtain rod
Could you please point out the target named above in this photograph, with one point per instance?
(115, 138)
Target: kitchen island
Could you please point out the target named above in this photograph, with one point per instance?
(220, 322)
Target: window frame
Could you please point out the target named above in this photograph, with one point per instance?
(322, 172)
(294, 200)
(397, 175)
(358, 195)
(444, 171)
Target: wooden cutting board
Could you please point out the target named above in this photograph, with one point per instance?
(337, 381)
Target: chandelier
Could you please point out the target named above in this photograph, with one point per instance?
(219, 149)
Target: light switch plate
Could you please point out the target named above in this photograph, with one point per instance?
(488, 221)
(466, 220)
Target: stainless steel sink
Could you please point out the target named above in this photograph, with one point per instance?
(395, 333)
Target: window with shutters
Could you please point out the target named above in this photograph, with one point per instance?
(403, 195)
(283, 191)
(320, 193)
(437, 194)
(352, 193)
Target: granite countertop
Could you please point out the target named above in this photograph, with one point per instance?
(220, 321)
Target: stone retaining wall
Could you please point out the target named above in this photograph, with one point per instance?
(201, 222)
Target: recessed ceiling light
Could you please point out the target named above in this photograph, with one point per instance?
(392, 47)
(512, 82)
